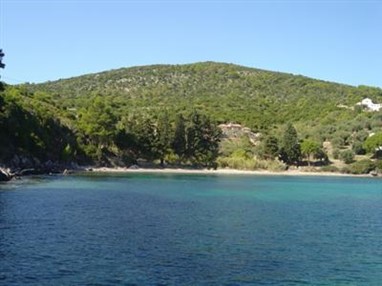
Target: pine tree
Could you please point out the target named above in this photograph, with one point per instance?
(179, 140)
(98, 122)
(203, 139)
(147, 140)
(270, 148)
(290, 146)
(209, 147)
(164, 136)
(193, 137)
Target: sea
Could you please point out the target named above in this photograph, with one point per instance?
(188, 229)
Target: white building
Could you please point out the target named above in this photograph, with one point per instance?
(368, 103)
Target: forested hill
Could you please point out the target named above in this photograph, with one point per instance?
(229, 93)
(170, 113)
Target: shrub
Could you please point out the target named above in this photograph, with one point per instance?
(240, 153)
(241, 163)
(275, 166)
(358, 149)
(338, 142)
(228, 147)
(238, 163)
(332, 169)
(373, 143)
(336, 153)
(347, 156)
(378, 165)
(362, 167)
(172, 158)
(345, 170)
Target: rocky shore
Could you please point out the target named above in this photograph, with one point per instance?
(24, 166)
(5, 175)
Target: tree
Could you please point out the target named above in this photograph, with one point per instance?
(269, 148)
(209, 147)
(202, 140)
(373, 144)
(179, 141)
(358, 148)
(290, 146)
(2, 65)
(309, 148)
(126, 141)
(193, 137)
(321, 155)
(147, 139)
(98, 122)
(164, 136)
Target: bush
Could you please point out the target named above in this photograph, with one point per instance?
(373, 143)
(336, 153)
(275, 166)
(238, 163)
(228, 147)
(362, 167)
(172, 158)
(337, 142)
(345, 170)
(332, 169)
(378, 165)
(240, 153)
(358, 148)
(347, 156)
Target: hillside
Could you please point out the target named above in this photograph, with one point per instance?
(253, 97)
(170, 113)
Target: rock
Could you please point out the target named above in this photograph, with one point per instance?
(67, 172)
(19, 162)
(134, 167)
(5, 175)
(26, 172)
(374, 173)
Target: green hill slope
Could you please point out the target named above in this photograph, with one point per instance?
(31, 132)
(120, 115)
(253, 97)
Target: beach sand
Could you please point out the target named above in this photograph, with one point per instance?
(220, 172)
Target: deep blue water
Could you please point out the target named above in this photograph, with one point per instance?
(191, 230)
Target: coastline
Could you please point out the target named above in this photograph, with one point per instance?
(220, 172)
(7, 176)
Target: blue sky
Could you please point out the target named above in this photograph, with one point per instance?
(338, 41)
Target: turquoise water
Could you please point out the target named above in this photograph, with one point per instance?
(191, 230)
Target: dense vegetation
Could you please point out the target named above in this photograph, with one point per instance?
(31, 133)
(167, 113)
(257, 99)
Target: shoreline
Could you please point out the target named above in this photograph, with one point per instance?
(121, 170)
(180, 171)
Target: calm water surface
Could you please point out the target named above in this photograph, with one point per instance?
(191, 230)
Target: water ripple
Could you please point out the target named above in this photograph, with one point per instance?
(197, 230)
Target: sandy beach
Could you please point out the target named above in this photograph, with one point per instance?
(221, 172)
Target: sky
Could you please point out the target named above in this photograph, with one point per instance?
(338, 41)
